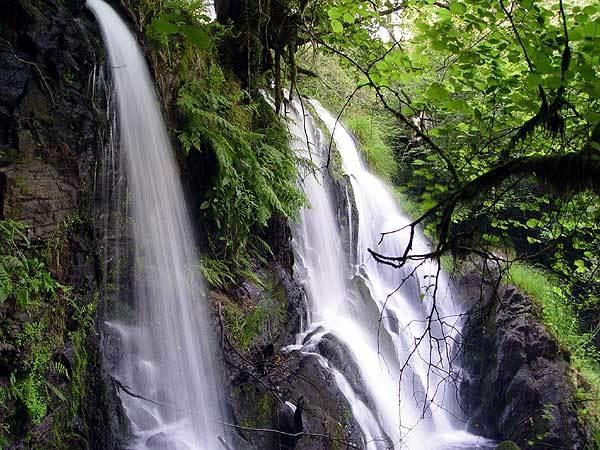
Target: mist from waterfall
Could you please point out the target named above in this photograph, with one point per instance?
(378, 315)
(162, 334)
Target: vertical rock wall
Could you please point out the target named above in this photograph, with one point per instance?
(51, 122)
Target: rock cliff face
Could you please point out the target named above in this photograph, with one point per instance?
(518, 383)
(51, 122)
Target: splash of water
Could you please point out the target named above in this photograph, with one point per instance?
(162, 333)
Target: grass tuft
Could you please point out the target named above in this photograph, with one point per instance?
(371, 134)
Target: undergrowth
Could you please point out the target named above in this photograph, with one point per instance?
(557, 312)
(256, 324)
(256, 169)
(333, 88)
(372, 134)
(39, 318)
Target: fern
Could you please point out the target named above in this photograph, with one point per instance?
(257, 171)
(27, 283)
(216, 272)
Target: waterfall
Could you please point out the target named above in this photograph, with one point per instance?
(404, 396)
(162, 334)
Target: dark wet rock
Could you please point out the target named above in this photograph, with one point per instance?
(339, 357)
(326, 407)
(312, 334)
(112, 347)
(279, 237)
(50, 134)
(260, 383)
(326, 410)
(296, 307)
(34, 193)
(160, 441)
(346, 211)
(290, 422)
(517, 383)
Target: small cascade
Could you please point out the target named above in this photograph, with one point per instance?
(403, 395)
(159, 337)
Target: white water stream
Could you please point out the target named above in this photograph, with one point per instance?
(165, 340)
(348, 290)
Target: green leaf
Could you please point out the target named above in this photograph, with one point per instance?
(196, 35)
(437, 92)
(532, 223)
(335, 13)
(337, 26)
(348, 18)
(162, 26)
(526, 4)
(3, 295)
(57, 392)
(458, 8)
(22, 297)
(580, 266)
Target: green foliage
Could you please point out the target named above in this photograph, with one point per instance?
(22, 279)
(26, 282)
(369, 125)
(475, 80)
(83, 317)
(252, 325)
(559, 315)
(472, 74)
(179, 24)
(372, 137)
(216, 272)
(256, 169)
(41, 316)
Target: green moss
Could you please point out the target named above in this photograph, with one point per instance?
(507, 445)
(10, 155)
(256, 324)
(47, 318)
(265, 407)
(258, 409)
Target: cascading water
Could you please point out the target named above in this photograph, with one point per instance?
(164, 340)
(378, 313)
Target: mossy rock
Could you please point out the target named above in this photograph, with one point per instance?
(507, 445)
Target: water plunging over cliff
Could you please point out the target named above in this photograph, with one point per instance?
(162, 333)
(376, 314)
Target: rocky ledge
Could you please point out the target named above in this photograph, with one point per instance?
(517, 384)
